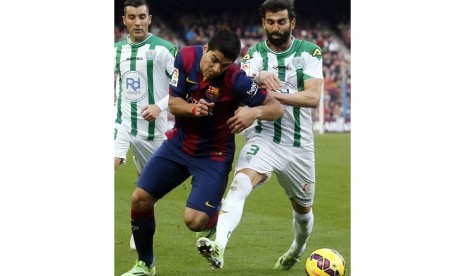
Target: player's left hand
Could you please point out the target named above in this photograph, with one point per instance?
(150, 112)
(242, 119)
(268, 80)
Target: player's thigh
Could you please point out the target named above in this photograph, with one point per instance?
(209, 181)
(162, 173)
(297, 176)
(258, 156)
(144, 149)
(122, 142)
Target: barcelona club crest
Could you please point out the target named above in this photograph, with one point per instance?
(213, 92)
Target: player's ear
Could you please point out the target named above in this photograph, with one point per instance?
(124, 20)
(293, 24)
(205, 48)
(150, 19)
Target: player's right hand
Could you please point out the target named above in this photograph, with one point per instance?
(202, 108)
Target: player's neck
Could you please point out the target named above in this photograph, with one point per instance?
(280, 48)
(134, 41)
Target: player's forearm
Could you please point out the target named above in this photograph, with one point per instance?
(271, 110)
(179, 107)
(306, 98)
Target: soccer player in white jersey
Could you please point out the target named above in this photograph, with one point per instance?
(293, 70)
(143, 67)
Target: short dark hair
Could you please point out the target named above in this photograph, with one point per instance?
(227, 43)
(136, 3)
(277, 5)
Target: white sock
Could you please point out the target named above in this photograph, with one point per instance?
(232, 207)
(303, 225)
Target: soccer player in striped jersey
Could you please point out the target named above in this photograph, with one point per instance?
(292, 69)
(143, 66)
(206, 90)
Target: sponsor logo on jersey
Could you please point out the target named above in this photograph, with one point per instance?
(282, 67)
(317, 52)
(190, 81)
(209, 205)
(134, 58)
(298, 62)
(246, 57)
(213, 92)
(253, 89)
(150, 54)
(134, 86)
(174, 77)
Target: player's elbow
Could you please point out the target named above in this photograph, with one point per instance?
(314, 104)
(279, 112)
(312, 101)
(277, 109)
(173, 106)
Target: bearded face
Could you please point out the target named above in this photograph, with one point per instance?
(278, 27)
(278, 38)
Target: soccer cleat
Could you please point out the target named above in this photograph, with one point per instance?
(132, 243)
(141, 269)
(286, 261)
(211, 251)
(206, 233)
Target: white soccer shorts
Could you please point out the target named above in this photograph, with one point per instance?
(142, 149)
(294, 166)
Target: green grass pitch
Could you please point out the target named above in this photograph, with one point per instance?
(265, 231)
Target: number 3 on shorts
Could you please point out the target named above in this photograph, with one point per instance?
(253, 149)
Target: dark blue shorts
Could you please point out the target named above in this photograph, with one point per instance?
(169, 167)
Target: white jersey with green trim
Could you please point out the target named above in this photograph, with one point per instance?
(143, 74)
(302, 61)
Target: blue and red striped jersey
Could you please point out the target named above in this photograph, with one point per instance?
(209, 136)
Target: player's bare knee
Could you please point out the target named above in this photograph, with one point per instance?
(141, 201)
(195, 225)
(195, 221)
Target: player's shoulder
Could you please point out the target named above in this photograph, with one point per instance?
(307, 46)
(188, 55)
(158, 41)
(259, 47)
(231, 74)
(190, 50)
(121, 43)
(255, 50)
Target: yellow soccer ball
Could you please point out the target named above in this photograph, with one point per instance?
(325, 262)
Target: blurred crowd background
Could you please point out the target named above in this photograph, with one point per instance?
(323, 22)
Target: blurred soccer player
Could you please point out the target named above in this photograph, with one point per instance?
(144, 63)
(293, 70)
(206, 89)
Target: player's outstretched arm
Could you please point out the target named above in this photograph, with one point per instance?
(310, 97)
(245, 116)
